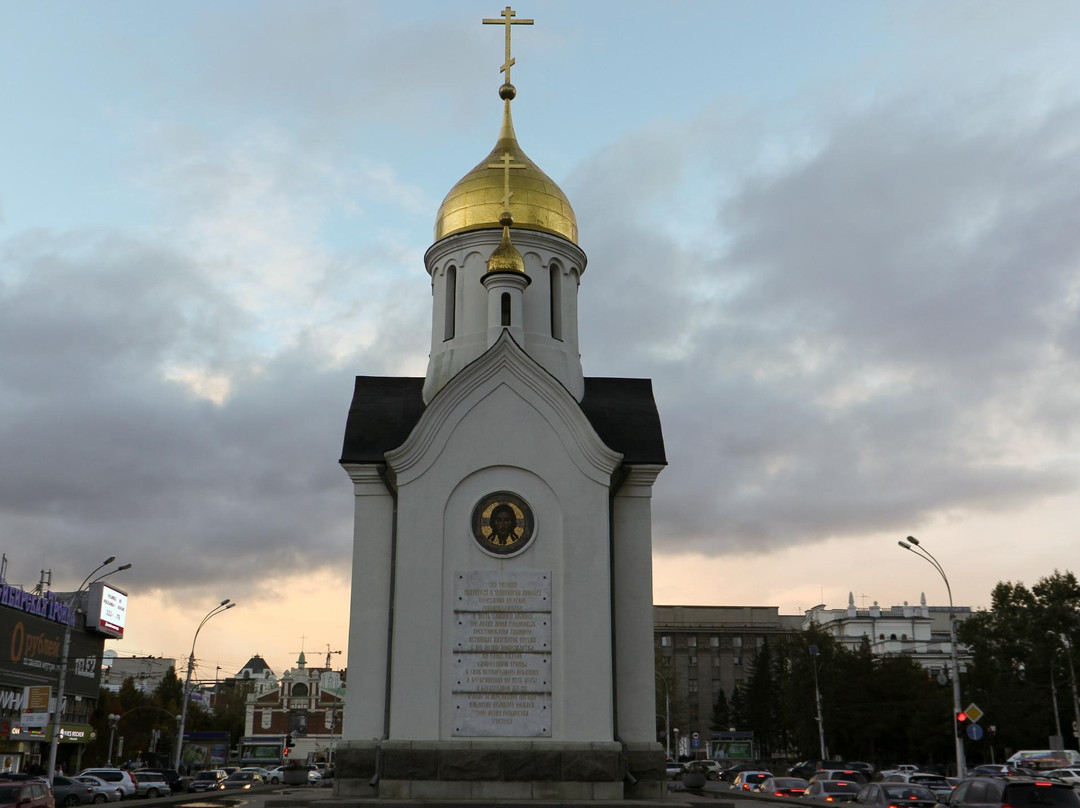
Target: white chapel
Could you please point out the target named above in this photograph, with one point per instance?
(501, 635)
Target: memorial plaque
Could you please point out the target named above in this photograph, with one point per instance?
(502, 631)
(494, 591)
(502, 714)
(502, 673)
(502, 653)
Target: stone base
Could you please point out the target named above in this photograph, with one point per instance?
(499, 770)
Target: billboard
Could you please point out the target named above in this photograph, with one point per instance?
(106, 610)
(30, 655)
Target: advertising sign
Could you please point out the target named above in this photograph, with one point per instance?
(30, 654)
(106, 610)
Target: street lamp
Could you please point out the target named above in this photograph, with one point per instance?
(65, 648)
(114, 719)
(224, 606)
(1072, 681)
(817, 696)
(912, 545)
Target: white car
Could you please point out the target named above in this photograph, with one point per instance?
(1068, 775)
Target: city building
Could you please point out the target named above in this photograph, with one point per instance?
(306, 704)
(145, 672)
(701, 651)
(919, 632)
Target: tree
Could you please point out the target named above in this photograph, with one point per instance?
(1016, 648)
(721, 713)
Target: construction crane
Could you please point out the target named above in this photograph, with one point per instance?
(328, 654)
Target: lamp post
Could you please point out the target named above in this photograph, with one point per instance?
(224, 606)
(114, 719)
(817, 695)
(912, 545)
(667, 715)
(1072, 682)
(65, 648)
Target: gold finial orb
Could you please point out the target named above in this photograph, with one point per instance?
(506, 219)
(507, 92)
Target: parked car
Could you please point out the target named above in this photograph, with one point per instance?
(711, 768)
(275, 775)
(868, 769)
(995, 792)
(26, 794)
(209, 780)
(749, 781)
(172, 777)
(103, 792)
(69, 792)
(893, 795)
(783, 787)
(259, 770)
(832, 790)
(151, 785)
(116, 777)
(243, 780)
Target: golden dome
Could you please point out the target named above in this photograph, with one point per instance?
(478, 199)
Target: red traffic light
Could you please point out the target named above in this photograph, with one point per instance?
(961, 717)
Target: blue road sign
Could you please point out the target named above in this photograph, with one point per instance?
(975, 732)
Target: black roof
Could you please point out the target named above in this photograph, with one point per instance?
(385, 409)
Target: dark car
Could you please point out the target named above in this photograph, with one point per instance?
(896, 795)
(808, 767)
(993, 792)
(209, 780)
(243, 781)
(69, 792)
(731, 772)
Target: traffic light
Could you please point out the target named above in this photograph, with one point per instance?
(961, 723)
(288, 744)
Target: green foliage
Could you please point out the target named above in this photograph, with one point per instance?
(1017, 652)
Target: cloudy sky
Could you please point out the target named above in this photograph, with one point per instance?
(842, 239)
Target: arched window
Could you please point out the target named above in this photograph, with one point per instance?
(451, 303)
(505, 309)
(299, 689)
(556, 301)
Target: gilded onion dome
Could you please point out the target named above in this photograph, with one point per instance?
(478, 199)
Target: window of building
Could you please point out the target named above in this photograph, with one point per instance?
(691, 660)
(714, 641)
(691, 685)
(556, 301)
(694, 713)
(692, 642)
(299, 689)
(266, 719)
(737, 661)
(665, 640)
(450, 314)
(716, 660)
(736, 642)
(759, 642)
(506, 309)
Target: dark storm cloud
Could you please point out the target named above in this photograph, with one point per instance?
(104, 455)
(861, 341)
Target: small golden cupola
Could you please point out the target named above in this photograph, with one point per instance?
(479, 199)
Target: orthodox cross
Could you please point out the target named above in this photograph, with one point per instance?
(506, 163)
(508, 15)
